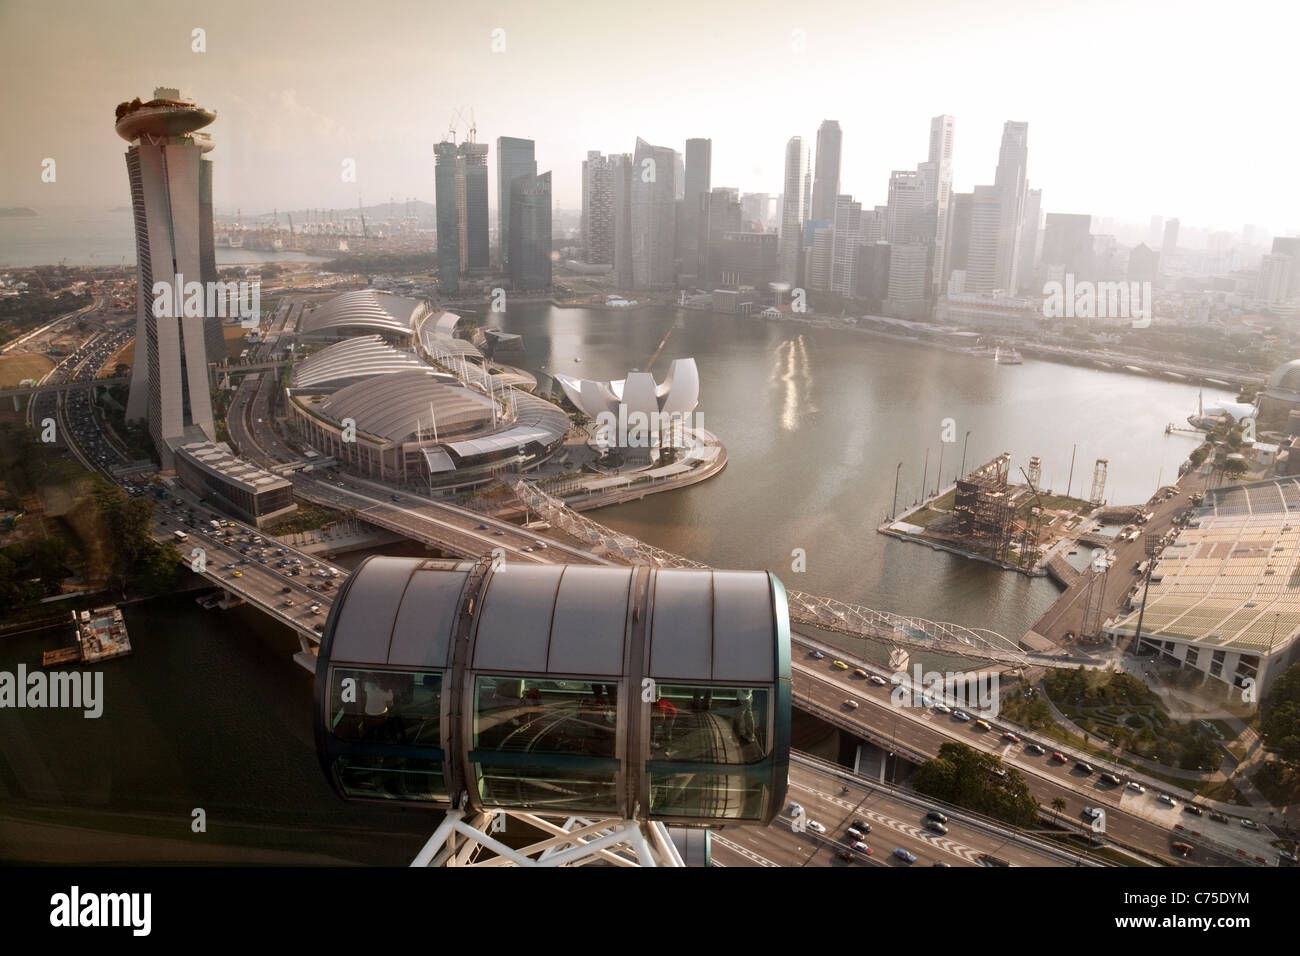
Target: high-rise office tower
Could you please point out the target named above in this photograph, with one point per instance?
(654, 216)
(959, 216)
(844, 246)
(691, 241)
(1170, 246)
(753, 207)
(515, 159)
(597, 209)
(171, 199)
(792, 212)
(530, 232)
(1013, 159)
(905, 206)
(1156, 231)
(985, 239)
(720, 216)
(1143, 264)
(621, 172)
(1027, 270)
(818, 250)
(908, 272)
(472, 204)
(939, 194)
(1067, 247)
(447, 216)
(826, 181)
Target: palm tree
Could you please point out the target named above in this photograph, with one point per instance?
(1058, 804)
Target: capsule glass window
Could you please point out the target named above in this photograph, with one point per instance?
(717, 725)
(385, 707)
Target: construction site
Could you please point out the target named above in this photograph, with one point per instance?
(988, 516)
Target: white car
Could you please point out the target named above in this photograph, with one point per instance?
(942, 709)
(851, 704)
(1166, 799)
(1136, 787)
(819, 655)
(816, 827)
(877, 680)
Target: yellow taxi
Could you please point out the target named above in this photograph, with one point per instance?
(839, 665)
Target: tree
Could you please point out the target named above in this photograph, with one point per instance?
(1058, 806)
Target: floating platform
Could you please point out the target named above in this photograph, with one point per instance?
(64, 655)
(101, 634)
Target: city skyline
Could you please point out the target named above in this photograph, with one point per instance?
(285, 122)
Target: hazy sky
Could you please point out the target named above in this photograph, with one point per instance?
(1180, 108)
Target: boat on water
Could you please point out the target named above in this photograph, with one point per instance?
(576, 359)
(1005, 355)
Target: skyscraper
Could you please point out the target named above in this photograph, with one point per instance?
(447, 216)
(1027, 270)
(597, 209)
(984, 240)
(720, 216)
(905, 206)
(472, 204)
(1067, 247)
(621, 172)
(826, 181)
(690, 242)
(844, 246)
(939, 194)
(654, 216)
(515, 158)
(530, 232)
(1013, 159)
(171, 199)
(1170, 246)
(792, 212)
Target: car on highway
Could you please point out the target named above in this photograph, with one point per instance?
(392, 497)
(936, 815)
(795, 809)
(1182, 849)
(1034, 749)
(999, 772)
(228, 567)
(1249, 824)
(818, 655)
(839, 665)
(1092, 813)
(904, 855)
(859, 672)
(1010, 737)
(288, 603)
(1136, 787)
(960, 715)
(1193, 809)
(539, 545)
(853, 833)
(1166, 800)
(527, 549)
(942, 709)
(499, 533)
(237, 574)
(941, 863)
(1083, 767)
(851, 704)
(1111, 779)
(937, 827)
(983, 725)
(481, 527)
(845, 855)
(877, 680)
(816, 827)
(1218, 817)
(315, 609)
(862, 847)
(1059, 757)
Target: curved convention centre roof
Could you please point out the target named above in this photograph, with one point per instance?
(1286, 377)
(395, 407)
(537, 420)
(638, 691)
(354, 358)
(678, 394)
(366, 310)
(436, 334)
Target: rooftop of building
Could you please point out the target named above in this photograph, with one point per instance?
(217, 458)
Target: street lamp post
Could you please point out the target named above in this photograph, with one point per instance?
(938, 475)
(963, 454)
(925, 472)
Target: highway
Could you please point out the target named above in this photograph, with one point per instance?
(897, 820)
(1133, 819)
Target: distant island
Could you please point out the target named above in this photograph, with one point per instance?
(7, 211)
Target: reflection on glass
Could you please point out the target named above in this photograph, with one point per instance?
(550, 787)
(724, 725)
(522, 715)
(717, 795)
(392, 707)
(391, 778)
